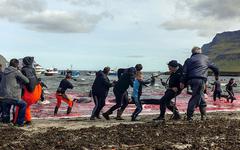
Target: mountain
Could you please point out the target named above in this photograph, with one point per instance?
(224, 50)
(3, 61)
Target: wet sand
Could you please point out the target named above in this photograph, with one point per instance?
(220, 131)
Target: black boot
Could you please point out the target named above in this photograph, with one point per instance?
(69, 110)
(159, 118)
(106, 115)
(134, 118)
(203, 113)
(119, 114)
(176, 115)
(56, 110)
(92, 117)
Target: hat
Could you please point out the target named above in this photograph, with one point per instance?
(173, 63)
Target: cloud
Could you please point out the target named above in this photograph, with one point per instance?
(206, 17)
(63, 22)
(34, 15)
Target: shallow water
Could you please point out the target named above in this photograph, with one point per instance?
(83, 84)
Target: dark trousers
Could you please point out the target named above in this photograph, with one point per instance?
(216, 94)
(166, 102)
(6, 105)
(197, 99)
(230, 96)
(121, 101)
(99, 104)
(138, 104)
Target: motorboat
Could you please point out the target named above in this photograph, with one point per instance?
(38, 69)
(51, 72)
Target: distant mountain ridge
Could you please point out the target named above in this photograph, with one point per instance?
(224, 50)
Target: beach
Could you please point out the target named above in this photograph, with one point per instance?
(220, 131)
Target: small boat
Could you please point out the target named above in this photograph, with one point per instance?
(38, 69)
(51, 72)
(91, 73)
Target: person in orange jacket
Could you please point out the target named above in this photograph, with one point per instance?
(61, 95)
(32, 91)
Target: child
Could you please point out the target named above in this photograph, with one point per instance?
(217, 89)
(229, 89)
(137, 92)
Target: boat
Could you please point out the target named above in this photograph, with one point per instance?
(91, 73)
(51, 72)
(112, 73)
(38, 69)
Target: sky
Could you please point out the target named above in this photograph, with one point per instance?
(91, 34)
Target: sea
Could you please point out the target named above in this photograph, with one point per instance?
(83, 83)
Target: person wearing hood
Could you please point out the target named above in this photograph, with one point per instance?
(32, 91)
(121, 94)
(100, 90)
(173, 89)
(61, 93)
(195, 72)
(30, 73)
(10, 92)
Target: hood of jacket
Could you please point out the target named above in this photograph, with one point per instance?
(28, 61)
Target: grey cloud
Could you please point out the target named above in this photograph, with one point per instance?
(34, 15)
(14, 9)
(206, 17)
(219, 9)
(63, 22)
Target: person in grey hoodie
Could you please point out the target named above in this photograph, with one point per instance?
(10, 92)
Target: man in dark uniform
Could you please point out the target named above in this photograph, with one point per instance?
(100, 90)
(173, 89)
(195, 72)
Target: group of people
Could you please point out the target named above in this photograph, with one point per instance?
(194, 73)
(19, 88)
(22, 88)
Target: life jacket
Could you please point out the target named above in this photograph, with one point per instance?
(32, 97)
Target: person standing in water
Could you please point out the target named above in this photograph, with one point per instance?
(217, 91)
(229, 89)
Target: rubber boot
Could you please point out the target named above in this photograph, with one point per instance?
(119, 114)
(69, 110)
(176, 115)
(134, 118)
(106, 115)
(203, 113)
(56, 110)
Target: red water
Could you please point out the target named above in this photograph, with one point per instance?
(40, 111)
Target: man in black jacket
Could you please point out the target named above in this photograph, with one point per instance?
(121, 94)
(172, 91)
(195, 71)
(100, 90)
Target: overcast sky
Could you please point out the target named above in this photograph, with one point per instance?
(91, 34)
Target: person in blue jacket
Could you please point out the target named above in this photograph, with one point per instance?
(137, 92)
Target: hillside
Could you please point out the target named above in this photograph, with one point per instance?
(224, 50)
